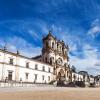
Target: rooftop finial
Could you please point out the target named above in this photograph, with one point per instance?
(5, 47)
(49, 32)
(17, 52)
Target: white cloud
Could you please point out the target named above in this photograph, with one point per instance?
(95, 28)
(31, 52)
(2, 43)
(33, 34)
(89, 61)
(72, 47)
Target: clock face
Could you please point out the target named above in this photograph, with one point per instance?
(59, 61)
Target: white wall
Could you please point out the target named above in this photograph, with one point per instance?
(19, 68)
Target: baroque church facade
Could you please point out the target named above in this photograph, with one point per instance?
(55, 53)
(51, 65)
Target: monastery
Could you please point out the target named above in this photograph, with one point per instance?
(51, 66)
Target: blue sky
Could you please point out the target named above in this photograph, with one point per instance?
(23, 23)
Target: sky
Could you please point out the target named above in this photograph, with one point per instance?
(23, 23)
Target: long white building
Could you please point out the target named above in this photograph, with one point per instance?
(19, 68)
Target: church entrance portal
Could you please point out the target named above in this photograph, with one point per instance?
(60, 77)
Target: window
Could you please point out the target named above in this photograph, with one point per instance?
(43, 68)
(27, 65)
(43, 77)
(48, 78)
(51, 60)
(48, 69)
(57, 46)
(36, 67)
(52, 45)
(11, 61)
(26, 75)
(60, 48)
(10, 75)
(35, 76)
(46, 44)
(46, 59)
(20, 79)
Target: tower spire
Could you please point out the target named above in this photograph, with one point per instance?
(49, 32)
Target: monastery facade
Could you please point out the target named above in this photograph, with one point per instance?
(51, 65)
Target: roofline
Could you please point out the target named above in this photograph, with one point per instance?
(15, 54)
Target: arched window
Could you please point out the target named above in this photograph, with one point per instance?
(52, 45)
(57, 45)
(51, 60)
(46, 43)
(60, 48)
(46, 59)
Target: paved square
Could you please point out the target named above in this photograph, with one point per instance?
(50, 93)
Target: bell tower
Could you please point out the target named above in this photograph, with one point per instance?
(55, 53)
(48, 51)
